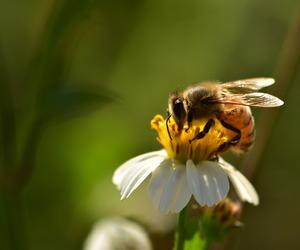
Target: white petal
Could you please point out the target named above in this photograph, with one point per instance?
(243, 187)
(133, 172)
(122, 170)
(168, 187)
(207, 181)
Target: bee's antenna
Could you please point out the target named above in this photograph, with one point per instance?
(167, 120)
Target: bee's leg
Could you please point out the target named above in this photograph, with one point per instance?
(210, 123)
(235, 140)
(224, 146)
(167, 125)
(189, 119)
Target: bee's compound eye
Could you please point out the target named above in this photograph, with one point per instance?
(178, 109)
(178, 102)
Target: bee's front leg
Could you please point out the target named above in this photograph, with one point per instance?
(210, 123)
(167, 126)
(189, 120)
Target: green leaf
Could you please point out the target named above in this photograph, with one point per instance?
(71, 101)
(68, 13)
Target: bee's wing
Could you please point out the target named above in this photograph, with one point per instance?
(256, 99)
(248, 85)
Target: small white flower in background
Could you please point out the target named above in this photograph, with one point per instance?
(115, 234)
(184, 168)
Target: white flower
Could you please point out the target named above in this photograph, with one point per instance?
(185, 167)
(173, 183)
(115, 234)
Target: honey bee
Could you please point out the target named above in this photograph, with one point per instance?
(228, 102)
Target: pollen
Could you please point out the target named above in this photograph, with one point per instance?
(182, 145)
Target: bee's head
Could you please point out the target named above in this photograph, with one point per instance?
(177, 108)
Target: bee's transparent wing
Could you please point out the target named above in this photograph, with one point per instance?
(248, 85)
(256, 99)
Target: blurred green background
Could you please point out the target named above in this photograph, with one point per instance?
(80, 81)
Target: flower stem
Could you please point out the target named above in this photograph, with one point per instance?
(285, 74)
(198, 230)
(180, 231)
(12, 221)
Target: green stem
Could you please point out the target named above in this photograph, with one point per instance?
(12, 221)
(285, 73)
(197, 230)
(180, 231)
(13, 231)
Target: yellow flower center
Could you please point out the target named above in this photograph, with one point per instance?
(181, 143)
